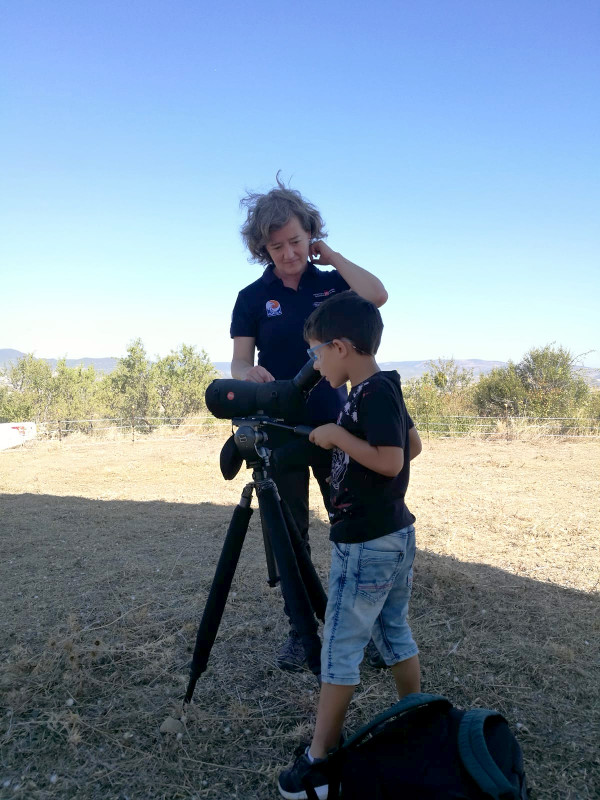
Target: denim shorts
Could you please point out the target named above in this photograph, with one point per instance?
(369, 588)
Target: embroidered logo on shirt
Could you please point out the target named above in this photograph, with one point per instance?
(273, 308)
(326, 293)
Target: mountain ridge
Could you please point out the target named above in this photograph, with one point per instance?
(407, 369)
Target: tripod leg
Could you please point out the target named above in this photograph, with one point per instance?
(314, 587)
(294, 591)
(273, 575)
(215, 604)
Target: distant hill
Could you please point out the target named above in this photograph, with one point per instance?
(414, 369)
(407, 369)
(8, 357)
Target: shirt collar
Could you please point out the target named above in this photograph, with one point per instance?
(269, 276)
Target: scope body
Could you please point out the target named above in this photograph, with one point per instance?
(227, 398)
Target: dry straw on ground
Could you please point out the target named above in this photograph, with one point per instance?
(108, 554)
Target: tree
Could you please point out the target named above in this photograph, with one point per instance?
(128, 389)
(593, 407)
(422, 397)
(29, 396)
(553, 382)
(547, 382)
(448, 377)
(74, 392)
(5, 403)
(180, 380)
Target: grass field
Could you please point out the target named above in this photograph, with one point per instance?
(109, 550)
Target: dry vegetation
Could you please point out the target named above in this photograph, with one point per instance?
(109, 551)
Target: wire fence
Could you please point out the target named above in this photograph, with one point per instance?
(508, 427)
(139, 429)
(133, 428)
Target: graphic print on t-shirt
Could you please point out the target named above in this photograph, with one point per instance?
(339, 465)
(339, 459)
(273, 308)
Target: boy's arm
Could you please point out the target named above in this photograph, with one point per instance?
(386, 461)
(414, 442)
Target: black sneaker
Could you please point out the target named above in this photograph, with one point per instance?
(291, 657)
(373, 656)
(291, 780)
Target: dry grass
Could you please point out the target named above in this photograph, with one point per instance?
(109, 551)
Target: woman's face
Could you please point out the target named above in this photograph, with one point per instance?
(288, 248)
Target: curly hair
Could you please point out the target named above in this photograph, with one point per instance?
(270, 212)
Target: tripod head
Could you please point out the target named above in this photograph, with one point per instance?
(250, 443)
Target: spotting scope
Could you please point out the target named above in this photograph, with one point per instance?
(227, 398)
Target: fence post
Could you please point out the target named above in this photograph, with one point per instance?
(506, 421)
(59, 432)
(427, 419)
(133, 423)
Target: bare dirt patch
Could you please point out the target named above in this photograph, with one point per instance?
(109, 550)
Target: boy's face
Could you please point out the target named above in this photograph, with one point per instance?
(330, 362)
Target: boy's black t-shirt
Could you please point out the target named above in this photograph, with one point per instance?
(367, 505)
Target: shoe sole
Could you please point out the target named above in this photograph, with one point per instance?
(322, 792)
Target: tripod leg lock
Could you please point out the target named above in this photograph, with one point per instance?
(246, 498)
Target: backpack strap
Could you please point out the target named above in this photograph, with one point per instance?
(476, 757)
(408, 703)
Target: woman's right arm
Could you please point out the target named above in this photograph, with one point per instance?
(242, 362)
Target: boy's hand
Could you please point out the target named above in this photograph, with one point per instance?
(325, 436)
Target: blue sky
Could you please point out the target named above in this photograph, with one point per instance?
(452, 148)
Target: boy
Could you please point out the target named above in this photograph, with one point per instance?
(371, 528)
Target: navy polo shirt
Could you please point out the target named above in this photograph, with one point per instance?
(274, 315)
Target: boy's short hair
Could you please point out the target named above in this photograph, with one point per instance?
(346, 316)
(270, 212)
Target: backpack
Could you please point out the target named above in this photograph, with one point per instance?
(423, 748)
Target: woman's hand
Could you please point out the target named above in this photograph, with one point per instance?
(325, 436)
(258, 374)
(358, 279)
(321, 253)
(243, 367)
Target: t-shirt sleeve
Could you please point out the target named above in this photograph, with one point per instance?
(382, 417)
(340, 284)
(243, 322)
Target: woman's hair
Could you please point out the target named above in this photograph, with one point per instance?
(346, 316)
(270, 212)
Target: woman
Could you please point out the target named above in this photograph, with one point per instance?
(284, 232)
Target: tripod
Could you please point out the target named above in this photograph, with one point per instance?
(284, 551)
